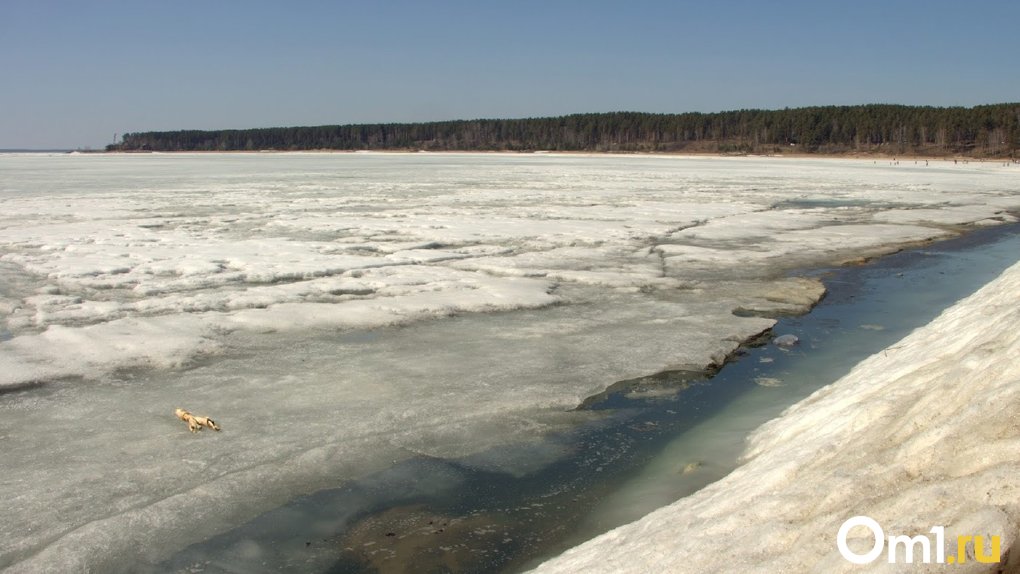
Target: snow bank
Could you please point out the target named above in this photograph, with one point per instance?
(159, 342)
(925, 433)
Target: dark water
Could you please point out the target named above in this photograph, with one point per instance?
(661, 438)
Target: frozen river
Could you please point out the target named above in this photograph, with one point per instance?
(340, 313)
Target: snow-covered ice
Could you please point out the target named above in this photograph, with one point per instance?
(338, 312)
(922, 434)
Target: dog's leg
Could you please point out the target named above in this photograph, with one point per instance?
(207, 422)
(193, 424)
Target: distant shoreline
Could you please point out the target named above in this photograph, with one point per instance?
(29, 150)
(679, 154)
(991, 131)
(857, 155)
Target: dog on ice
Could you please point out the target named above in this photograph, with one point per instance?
(195, 423)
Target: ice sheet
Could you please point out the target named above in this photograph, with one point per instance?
(337, 312)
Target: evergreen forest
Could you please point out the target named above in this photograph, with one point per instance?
(979, 131)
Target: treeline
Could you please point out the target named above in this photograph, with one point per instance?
(991, 130)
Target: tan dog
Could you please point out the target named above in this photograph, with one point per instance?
(195, 424)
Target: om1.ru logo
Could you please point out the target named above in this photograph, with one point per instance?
(910, 544)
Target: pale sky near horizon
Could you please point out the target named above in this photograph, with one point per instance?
(76, 73)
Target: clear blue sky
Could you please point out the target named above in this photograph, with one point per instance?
(73, 73)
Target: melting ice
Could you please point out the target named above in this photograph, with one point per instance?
(339, 312)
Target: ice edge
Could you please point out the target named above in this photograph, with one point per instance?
(923, 433)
